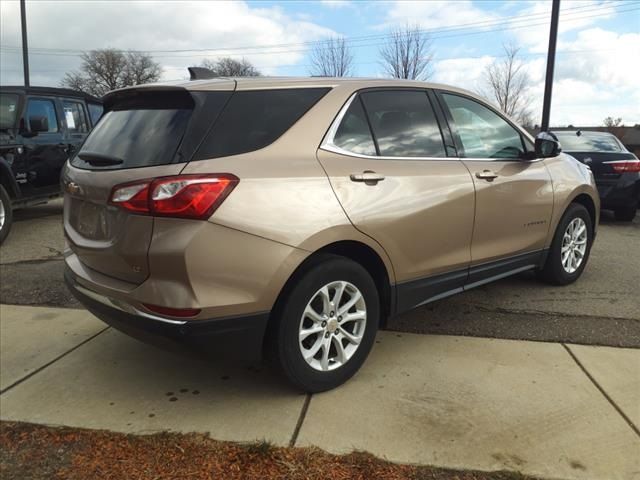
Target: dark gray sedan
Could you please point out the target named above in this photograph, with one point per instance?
(616, 170)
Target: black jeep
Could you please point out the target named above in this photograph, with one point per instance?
(40, 128)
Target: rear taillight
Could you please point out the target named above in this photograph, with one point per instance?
(182, 196)
(624, 166)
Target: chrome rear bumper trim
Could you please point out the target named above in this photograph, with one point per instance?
(124, 307)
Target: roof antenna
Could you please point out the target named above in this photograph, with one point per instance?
(200, 73)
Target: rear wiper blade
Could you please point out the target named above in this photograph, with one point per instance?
(100, 159)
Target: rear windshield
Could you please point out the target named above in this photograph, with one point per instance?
(137, 132)
(254, 119)
(588, 143)
(8, 110)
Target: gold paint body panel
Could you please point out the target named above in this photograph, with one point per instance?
(428, 216)
(421, 213)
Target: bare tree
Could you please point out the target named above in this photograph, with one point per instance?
(331, 58)
(508, 83)
(230, 67)
(109, 69)
(408, 54)
(612, 122)
(140, 69)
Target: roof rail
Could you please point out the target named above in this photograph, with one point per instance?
(200, 73)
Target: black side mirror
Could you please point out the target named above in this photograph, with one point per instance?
(547, 145)
(38, 124)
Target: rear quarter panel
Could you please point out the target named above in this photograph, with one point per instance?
(284, 194)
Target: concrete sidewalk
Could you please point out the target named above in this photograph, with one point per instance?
(553, 410)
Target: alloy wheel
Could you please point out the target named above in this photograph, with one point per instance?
(574, 245)
(3, 213)
(332, 326)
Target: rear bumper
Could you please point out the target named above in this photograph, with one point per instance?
(229, 337)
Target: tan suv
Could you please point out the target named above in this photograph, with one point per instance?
(295, 216)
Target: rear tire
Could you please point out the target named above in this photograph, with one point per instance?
(560, 267)
(626, 214)
(320, 303)
(6, 214)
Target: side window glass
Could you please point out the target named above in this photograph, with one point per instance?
(75, 116)
(404, 123)
(254, 119)
(40, 109)
(354, 134)
(483, 133)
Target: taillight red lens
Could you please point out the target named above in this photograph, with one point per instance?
(182, 196)
(189, 196)
(625, 166)
(172, 312)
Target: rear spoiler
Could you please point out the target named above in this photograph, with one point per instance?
(173, 95)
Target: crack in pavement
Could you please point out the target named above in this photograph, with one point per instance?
(301, 418)
(516, 311)
(58, 257)
(602, 391)
(51, 362)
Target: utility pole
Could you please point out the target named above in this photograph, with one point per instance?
(551, 60)
(25, 50)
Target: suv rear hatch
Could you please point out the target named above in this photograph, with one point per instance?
(145, 133)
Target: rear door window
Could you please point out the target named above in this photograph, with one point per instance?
(43, 107)
(254, 119)
(8, 110)
(75, 116)
(404, 123)
(354, 134)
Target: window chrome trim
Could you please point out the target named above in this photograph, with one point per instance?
(341, 151)
(333, 129)
(328, 145)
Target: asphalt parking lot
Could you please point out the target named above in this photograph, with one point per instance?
(602, 308)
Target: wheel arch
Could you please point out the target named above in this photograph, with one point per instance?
(585, 196)
(356, 251)
(587, 202)
(7, 180)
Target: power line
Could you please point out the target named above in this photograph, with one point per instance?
(436, 59)
(511, 24)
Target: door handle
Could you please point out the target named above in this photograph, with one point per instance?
(487, 175)
(368, 177)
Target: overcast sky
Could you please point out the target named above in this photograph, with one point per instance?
(597, 69)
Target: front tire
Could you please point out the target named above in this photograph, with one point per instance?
(326, 324)
(569, 251)
(6, 214)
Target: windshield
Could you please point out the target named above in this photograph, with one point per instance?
(588, 142)
(8, 110)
